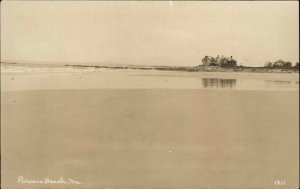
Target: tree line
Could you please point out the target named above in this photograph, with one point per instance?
(231, 62)
(219, 61)
(281, 64)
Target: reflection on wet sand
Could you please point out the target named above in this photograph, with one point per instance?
(280, 83)
(218, 83)
(277, 82)
(247, 83)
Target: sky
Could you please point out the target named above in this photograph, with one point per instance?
(148, 32)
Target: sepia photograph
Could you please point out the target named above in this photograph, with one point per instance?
(149, 94)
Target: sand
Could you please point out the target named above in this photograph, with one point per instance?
(113, 129)
(145, 138)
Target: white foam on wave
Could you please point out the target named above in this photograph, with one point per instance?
(24, 69)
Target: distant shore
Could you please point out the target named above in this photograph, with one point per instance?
(199, 68)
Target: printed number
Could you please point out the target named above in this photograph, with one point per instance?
(279, 182)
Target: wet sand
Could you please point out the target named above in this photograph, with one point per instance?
(31, 78)
(150, 138)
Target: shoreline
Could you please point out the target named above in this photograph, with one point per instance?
(199, 68)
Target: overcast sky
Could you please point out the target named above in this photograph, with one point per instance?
(150, 33)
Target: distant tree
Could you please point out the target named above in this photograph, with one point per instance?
(287, 65)
(228, 62)
(209, 61)
(279, 64)
(269, 65)
(296, 65)
(205, 60)
(213, 61)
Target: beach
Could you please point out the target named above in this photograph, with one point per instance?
(149, 129)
